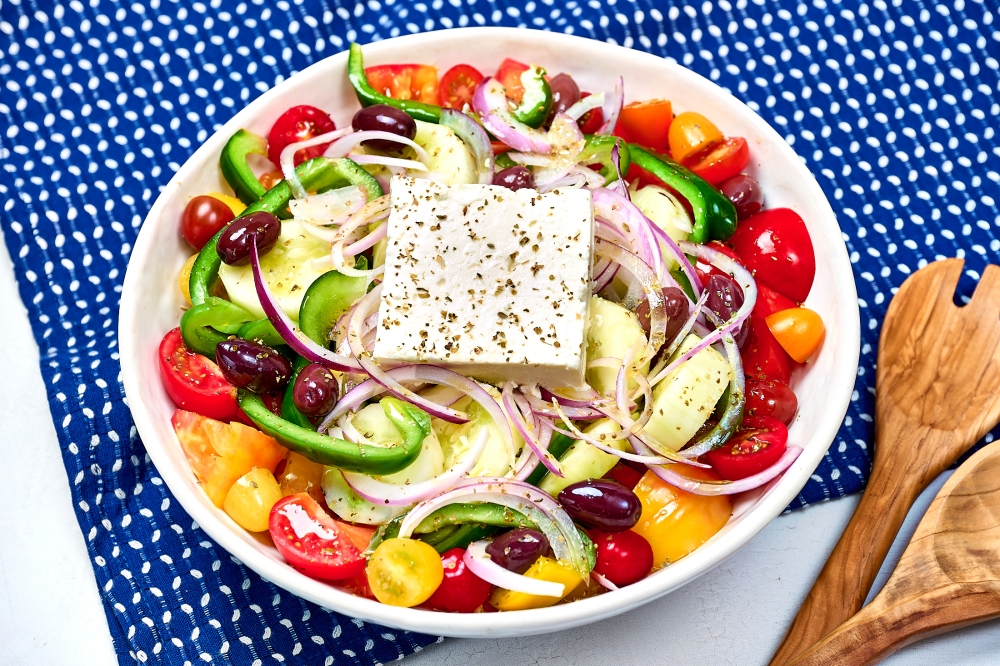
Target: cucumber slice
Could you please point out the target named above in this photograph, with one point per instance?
(666, 212)
(684, 400)
(611, 331)
(288, 269)
(456, 438)
(583, 461)
(449, 156)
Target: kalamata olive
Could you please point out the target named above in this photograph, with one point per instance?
(261, 228)
(745, 193)
(514, 178)
(725, 298)
(677, 305)
(384, 118)
(518, 549)
(252, 366)
(600, 504)
(315, 390)
(565, 93)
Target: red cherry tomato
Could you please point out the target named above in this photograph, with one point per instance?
(648, 122)
(194, 382)
(417, 82)
(458, 85)
(761, 441)
(769, 301)
(775, 245)
(767, 397)
(313, 542)
(202, 218)
(624, 475)
(624, 557)
(461, 591)
(509, 74)
(298, 124)
(763, 357)
(703, 275)
(722, 161)
(591, 121)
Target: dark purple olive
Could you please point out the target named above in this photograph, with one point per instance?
(514, 178)
(565, 93)
(260, 227)
(725, 298)
(315, 390)
(252, 366)
(676, 303)
(745, 193)
(384, 118)
(602, 505)
(518, 549)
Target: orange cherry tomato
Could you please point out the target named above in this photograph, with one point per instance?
(799, 331)
(674, 521)
(691, 133)
(509, 74)
(648, 123)
(458, 85)
(417, 82)
(270, 179)
(721, 161)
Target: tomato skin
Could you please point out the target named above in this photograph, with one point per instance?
(298, 124)
(623, 558)
(624, 475)
(721, 161)
(461, 591)
(408, 81)
(458, 85)
(404, 572)
(194, 382)
(767, 397)
(509, 74)
(328, 555)
(690, 133)
(799, 331)
(763, 357)
(760, 443)
(648, 123)
(775, 245)
(591, 121)
(769, 301)
(202, 218)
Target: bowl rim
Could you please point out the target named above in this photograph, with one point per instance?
(520, 623)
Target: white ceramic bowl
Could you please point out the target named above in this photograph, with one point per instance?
(151, 305)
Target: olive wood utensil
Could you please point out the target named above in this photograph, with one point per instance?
(948, 577)
(937, 393)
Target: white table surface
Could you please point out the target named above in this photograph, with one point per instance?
(50, 611)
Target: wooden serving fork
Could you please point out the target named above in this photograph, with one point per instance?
(937, 393)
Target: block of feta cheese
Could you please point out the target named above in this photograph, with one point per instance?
(489, 282)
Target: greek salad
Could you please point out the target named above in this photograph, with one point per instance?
(498, 344)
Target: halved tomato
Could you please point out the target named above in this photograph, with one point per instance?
(312, 541)
(220, 453)
(775, 245)
(458, 85)
(417, 82)
(721, 161)
(509, 74)
(298, 124)
(591, 121)
(648, 123)
(690, 133)
(770, 301)
(760, 443)
(193, 381)
(799, 331)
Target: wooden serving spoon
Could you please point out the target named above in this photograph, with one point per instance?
(948, 577)
(937, 393)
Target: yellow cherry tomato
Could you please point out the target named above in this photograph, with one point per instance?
(234, 204)
(250, 499)
(184, 279)
(301, 475)
(674, 521)
(799, 331)
(404, 572)
(544, 568)
(690, 133)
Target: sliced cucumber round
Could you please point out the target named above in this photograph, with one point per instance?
(611, 331)
(457, 438)
(449, 156)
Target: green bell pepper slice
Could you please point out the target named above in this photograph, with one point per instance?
(714, 213)
(367, 95)
(597, 150)
(262, 331)
(537, 101)
(235, 169)
(456, 525)
(412, 423)
(210, 322)
(459, 538)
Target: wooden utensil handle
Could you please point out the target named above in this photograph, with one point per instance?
(845, 580)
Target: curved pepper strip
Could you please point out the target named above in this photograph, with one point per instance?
(367, 95)
(471, 518)
(262, 331)
(207, 324)
(236, 171)
(597, 150)
(537, 100)
(412, 423)
(714, 213)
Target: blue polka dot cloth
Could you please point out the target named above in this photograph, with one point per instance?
(891, 104)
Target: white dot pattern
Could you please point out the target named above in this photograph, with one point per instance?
(892, 105)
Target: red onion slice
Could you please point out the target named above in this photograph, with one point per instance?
(572, 397)
(391, 494)
(383, 160)
(603, 582)
(679, 256)
(613, 107)
(343, 147)
(368, 241)
(481, 564)
(585, 104)
(728, 487)
(303, 346)
(490, 102)
(634, 225)
(542, 408)
(286, 160)
(514, 414)
(475, 138)
(650, 286)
